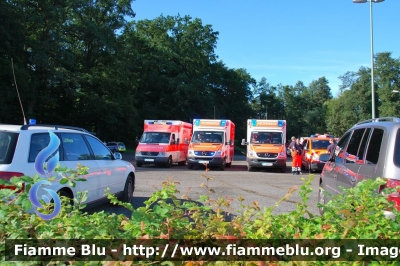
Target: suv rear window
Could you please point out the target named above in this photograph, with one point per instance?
(396, 155)
(8, 142)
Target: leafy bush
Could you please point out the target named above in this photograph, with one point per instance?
(356, 214)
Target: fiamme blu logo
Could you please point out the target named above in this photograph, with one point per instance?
(52, 156)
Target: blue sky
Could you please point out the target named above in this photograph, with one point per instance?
(287, 41)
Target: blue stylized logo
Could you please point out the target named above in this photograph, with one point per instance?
(35, 200)
(51, 164)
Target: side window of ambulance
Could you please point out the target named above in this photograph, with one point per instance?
(354, 144)
(339, 149)
(374, 146)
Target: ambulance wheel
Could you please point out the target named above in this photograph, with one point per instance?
(169, 162)
(190, 166)
(223, 166)
(139, 164)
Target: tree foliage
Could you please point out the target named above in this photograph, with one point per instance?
(90, 64)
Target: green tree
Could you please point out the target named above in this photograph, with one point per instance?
(387, 71)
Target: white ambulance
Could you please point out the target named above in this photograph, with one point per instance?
(212, 143)
(163, 142)
(266, 144)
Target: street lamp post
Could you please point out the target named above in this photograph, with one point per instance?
(372, 49)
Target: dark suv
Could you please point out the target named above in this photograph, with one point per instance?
(370, 149)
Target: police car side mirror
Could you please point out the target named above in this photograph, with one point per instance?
(117, 156)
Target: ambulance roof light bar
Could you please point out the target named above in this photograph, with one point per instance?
(326, 135)
(160, 122)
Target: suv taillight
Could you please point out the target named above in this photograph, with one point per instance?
(394, 196)
(7, 176)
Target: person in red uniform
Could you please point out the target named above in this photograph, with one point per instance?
(296, 156)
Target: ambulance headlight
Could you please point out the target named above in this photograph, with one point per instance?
(252, 153)
(218, 153)
(191, 152)
(161, 153)
(137, 153)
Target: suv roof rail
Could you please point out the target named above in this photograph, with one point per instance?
(381, 119)
(26, 127)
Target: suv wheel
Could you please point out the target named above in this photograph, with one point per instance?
(321, 199)
(128, 190)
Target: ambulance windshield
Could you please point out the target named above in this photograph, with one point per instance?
(208, 137)
(263, 137)
(155, 137)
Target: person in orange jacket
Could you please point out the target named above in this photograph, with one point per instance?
(296, 156)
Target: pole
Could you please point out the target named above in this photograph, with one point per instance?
(372, 61)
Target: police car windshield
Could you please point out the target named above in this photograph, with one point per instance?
(155, 137)
(208, 137)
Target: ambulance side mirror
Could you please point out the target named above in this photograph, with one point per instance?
(177, 141)
(244, 142)
(186, 141)
(229, 142)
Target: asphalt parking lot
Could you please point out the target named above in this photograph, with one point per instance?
(264, 188)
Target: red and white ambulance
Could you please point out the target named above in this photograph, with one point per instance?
(163, 142)
(266, 144)
(212, 143)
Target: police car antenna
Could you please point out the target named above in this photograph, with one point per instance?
(19, 98)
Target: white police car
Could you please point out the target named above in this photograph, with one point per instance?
(21, 145)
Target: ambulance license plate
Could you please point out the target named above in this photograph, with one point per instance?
(149, 160)
(203, 161)
(266, 164)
